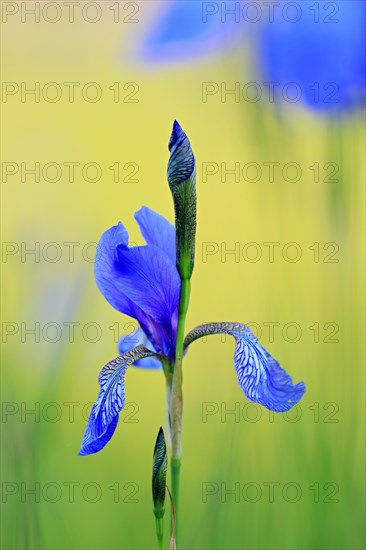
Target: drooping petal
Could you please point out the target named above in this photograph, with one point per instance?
(103, 417)
(259, 375)
(157, 230)
(137, 338)
(141, 282)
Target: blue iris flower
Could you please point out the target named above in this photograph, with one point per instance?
(143, 282)
(318, 47)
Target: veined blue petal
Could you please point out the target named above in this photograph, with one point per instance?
(157, 230)
(93, 442)
(185, 29)
(320, 57)
(103, 418)
(137, 338)
(259, 375)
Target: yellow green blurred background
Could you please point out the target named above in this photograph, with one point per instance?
(296, 480)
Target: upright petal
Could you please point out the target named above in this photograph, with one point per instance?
(105, 268)
(259, 375)
(103, 418)
(141, 282)
(150, 280)
(157, 230)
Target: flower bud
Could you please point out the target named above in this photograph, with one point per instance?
(182, 183)
(160, 463)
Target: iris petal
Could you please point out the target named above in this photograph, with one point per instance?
(157, 230)
(150, 280)
(103, 418)
(105, 268)
(132, 340)
(141, 282)
(259, 375)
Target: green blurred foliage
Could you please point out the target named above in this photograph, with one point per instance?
(104, 501)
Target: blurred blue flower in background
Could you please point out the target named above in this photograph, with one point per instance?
(183, 30)
(322, 53)
(310, 52)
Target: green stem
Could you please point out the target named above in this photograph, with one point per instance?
(175, 471)
(159, 522)
(176, 402)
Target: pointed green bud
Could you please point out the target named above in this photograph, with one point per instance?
(160, 463)
(182, 183)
